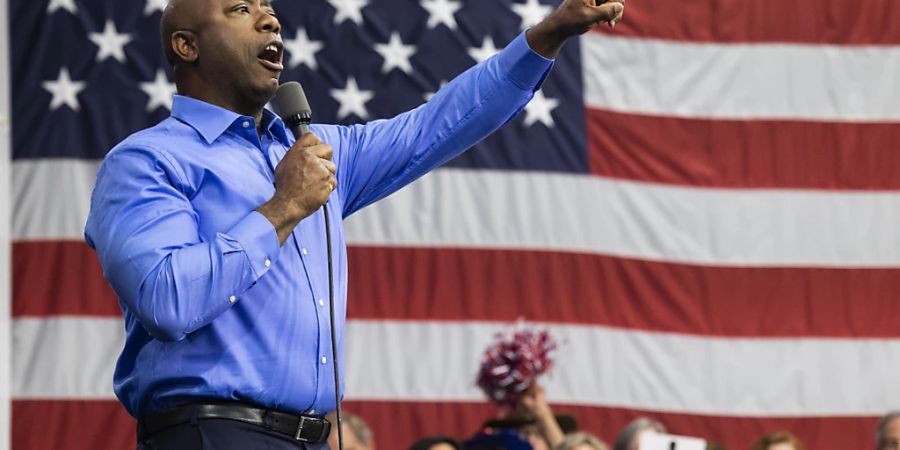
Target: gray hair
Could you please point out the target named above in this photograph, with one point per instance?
(635, 427)
(880, 438)
(359, 428)
(573, 440)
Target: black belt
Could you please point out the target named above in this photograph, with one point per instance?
(307, 429)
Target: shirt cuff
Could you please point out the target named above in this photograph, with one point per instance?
(525, 67)
(259, 240)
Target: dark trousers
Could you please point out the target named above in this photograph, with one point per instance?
(222, 434)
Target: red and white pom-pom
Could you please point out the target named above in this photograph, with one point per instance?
(513, 362)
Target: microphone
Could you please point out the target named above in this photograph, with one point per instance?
(294, 109)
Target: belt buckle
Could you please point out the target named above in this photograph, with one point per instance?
(299, 431)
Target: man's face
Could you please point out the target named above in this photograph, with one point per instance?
(891, 436)
(239, 46)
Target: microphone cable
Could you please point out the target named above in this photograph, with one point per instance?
(334, 351)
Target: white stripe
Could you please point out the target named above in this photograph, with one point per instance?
(598, 366)
(749, 81)
(558, 212)
(51, 197)
(65, 357)
(546, 211)
(5, 209)
(601, 366)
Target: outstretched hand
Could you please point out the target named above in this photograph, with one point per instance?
(571, 18)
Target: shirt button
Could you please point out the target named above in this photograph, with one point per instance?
(324, 360)
(246, 124)
(303, 250)
(321, 302)
(268, 264)
(232, 299)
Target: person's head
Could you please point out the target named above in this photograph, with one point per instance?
(630, 437)
(887, 434)
(357, 435)
(225, 52)
(436, 443)
(781, 440)
(582, 441)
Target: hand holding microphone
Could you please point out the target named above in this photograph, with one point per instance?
(306, 175)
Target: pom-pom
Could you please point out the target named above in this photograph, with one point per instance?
(513, 363)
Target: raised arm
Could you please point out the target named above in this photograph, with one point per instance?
(380, 157)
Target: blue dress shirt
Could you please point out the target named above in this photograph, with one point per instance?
(214, 307)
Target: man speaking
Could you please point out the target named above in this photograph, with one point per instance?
(209, 225)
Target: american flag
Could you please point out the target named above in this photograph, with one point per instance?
(702, 204)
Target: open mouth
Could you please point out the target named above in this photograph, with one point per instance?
(271, 56)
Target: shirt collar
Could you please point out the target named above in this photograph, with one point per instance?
(211, 120)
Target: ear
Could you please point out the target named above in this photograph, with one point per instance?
(184, 45)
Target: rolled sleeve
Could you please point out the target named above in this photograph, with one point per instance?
(259, 240)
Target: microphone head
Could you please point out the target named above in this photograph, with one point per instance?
(291, 104)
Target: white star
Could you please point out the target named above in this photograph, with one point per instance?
(539, 109)
(111, 43)
(487, 50)
(64, 90)
(68, 5)
(160, 92)
(396, 54)
(303, 50)
(441, 12)
(155, 5)
(352, 100)
(531, 12)
(428, 95)
(348, 9)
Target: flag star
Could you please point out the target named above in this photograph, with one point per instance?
(531, 12)
(428, 95)
(64, 91)
(396, 54)
(348, 9)
(441, 12)
(302, 49)
(160, 91)
(111, 43)
(352, 100)
(155, 5)
(539, 109)
(68, 5)
(488, 49)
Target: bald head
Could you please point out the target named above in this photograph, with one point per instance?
(180, 16)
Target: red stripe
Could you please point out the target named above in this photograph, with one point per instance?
(502, 285)
(744, 154)
(59, 278)
(90, 425)
(463, 419)
(71, 425)
(730, 21)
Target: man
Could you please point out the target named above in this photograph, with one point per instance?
(888, 432)
(210, 230)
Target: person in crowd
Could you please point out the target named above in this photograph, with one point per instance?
(436, 443)
(887, 433)
(630, 437)
(357, 434)
(581, 441)
(781, 440)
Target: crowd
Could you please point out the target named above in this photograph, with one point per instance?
(534, 426)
